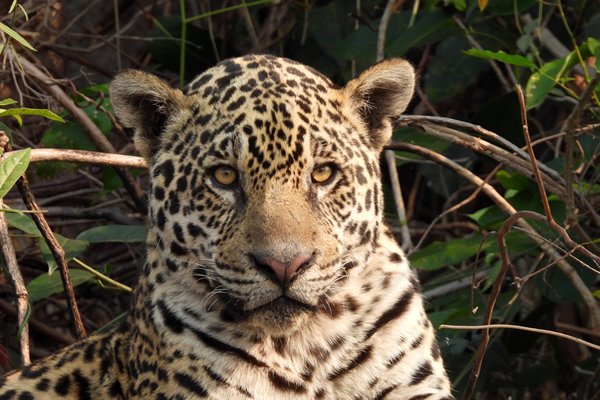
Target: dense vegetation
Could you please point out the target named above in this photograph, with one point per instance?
(481, 226)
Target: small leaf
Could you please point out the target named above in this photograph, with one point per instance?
(543, 80)
(71, 247)
(512, 59)
(594, 46)
(23, 222)
(11, 169)
(460, 5)
(514, 181)
(114, 233)
(7, 102)
(46, 285)
(596, 294)
(13, 34)
(482, 4)
(454, 251)
(31, 111)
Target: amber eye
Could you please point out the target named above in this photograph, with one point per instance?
(224, 175)
(323, 174)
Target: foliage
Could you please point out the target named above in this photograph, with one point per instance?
(470, 56)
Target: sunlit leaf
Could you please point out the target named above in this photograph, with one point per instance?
(13, 34)
(11, 169)
(18, 111)
(543, 81)
(594, 46)
(482, 4)
(512, 59)
(7, 102)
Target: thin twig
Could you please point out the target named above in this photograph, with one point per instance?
(87, 124)
(534, 164)
(389, 155)
(57, 251)
(437, 127)
(578, 329)
(102, 277)
(581, 287)
(507, 86)
(522, 328)
(85, 157)
(16, 279)
(568, 127)
(250, 28)
(506, 264)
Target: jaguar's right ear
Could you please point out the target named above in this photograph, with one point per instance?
(145, 103)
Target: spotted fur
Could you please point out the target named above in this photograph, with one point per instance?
(275, 287)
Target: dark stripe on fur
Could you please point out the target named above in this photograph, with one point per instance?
(393, 313)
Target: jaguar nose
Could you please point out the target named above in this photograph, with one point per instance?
(281, 273)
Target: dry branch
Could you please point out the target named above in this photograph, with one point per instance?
(86, 123)
(86, 157)
(390, 157)
(57, 251)
(523, 328)
(588, 299)
(448, 129)
(16, 279)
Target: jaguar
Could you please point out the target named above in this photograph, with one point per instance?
(269, 272)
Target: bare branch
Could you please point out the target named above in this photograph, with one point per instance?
(16, 279)
(522, 328)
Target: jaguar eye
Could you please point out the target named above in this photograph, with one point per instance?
(224, 175)
(323, 174)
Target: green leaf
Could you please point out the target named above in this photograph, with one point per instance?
(7, 102)
(12, 6)
(46, 285)
(454, 251)
(514, 181)
(594, 46)
(114, 233)
(71, 247)
(18, 111)
(512, 59)
(438, 318)
(488, 217)
(10, 32)
(596, 294)
(11, 169)
(542, 81)
(22, 222)
(433, 26)
(460, 5)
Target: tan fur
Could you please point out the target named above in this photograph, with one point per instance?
(211, 317)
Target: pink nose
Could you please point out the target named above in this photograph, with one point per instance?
(279, 272)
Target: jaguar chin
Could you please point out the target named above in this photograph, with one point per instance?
(281, 313)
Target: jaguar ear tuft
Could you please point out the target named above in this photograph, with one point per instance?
(380, 95)
(145, 103)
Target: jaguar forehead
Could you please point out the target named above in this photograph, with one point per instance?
(276, 113)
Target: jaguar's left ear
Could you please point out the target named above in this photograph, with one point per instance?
(379, 95)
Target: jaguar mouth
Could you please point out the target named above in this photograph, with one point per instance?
(284, 303)
(283, 307)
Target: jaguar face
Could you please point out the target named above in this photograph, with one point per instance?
(266, 194)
